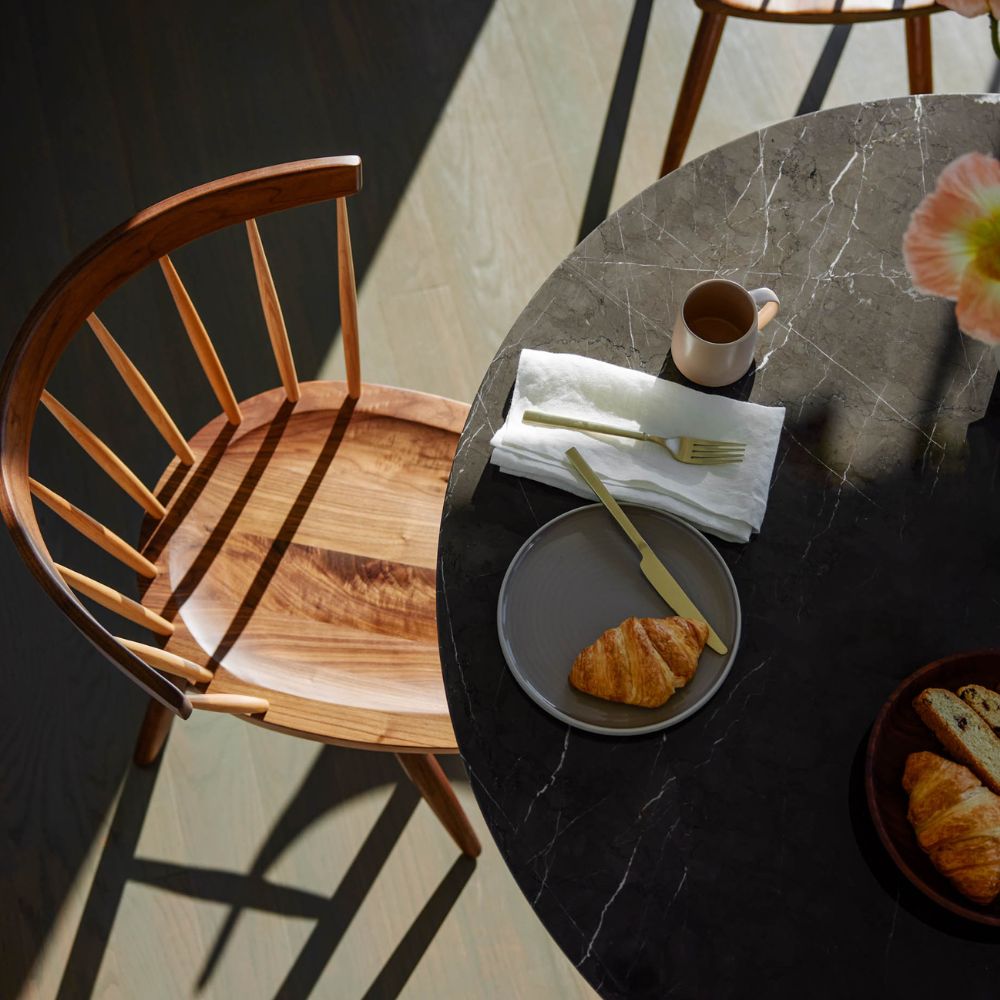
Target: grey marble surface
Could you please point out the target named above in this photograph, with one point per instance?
(733, 855)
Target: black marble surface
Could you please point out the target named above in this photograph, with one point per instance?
(733, 855)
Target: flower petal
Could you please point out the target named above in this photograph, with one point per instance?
(978, 310)
(937, 246)
(974, 177)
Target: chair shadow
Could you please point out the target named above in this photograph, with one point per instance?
(108, 886)
(826, 66)
(397, 970)
(155, 533)
(310, 802)
(609, 150)
(330, 781)
(200, 478)
(161, 532)
(286, 533)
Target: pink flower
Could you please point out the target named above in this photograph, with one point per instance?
(973, 8)
(952, 245)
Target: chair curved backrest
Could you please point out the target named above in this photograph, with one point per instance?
(72, 299)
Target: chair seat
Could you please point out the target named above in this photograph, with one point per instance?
(826, 11)
(297, 561)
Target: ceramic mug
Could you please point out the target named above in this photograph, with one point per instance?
(716, 330)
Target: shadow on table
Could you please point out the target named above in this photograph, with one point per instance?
(740, 389)
(950, 482)
(981, 463)
(336, 776)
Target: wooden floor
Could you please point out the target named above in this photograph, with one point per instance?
(249, 864)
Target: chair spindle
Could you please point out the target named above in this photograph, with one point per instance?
(234, 704)
(91, 528)
(142, 391)
(170, 663)
(201, 343)
(272, 314)
(348, 301)
(109, 598)
(103, 456)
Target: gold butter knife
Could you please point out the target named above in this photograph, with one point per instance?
(653, 570)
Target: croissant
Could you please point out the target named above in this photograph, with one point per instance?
(957, 822)
(643, 661)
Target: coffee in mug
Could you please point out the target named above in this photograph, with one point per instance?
(715, 333)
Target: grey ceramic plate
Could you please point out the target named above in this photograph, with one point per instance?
(579, 575)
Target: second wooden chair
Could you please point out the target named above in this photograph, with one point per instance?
(915, 15)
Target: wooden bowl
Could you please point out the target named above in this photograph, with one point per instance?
(896, 734)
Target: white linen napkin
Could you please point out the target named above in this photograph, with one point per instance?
(727, 500)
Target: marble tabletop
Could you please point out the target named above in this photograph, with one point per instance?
(733, 855)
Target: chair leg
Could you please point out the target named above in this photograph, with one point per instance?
(706, 44)
(425, 772)
(918, 54)
(153, 734)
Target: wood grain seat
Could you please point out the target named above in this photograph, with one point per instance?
(320, 597)
(286, 562)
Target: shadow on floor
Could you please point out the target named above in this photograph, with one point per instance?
(826, 66)
(609, 150)
(333, 779)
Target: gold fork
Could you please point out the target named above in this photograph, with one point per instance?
(689, 450)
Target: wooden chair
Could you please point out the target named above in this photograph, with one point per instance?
(287, 555)
(915, 14)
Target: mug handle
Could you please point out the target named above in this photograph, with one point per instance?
(767, 306)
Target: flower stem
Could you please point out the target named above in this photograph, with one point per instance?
(994, 36)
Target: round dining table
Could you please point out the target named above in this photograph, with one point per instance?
(733, 855)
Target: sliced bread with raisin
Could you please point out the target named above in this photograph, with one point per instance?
(984, 701)
(962, 732)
